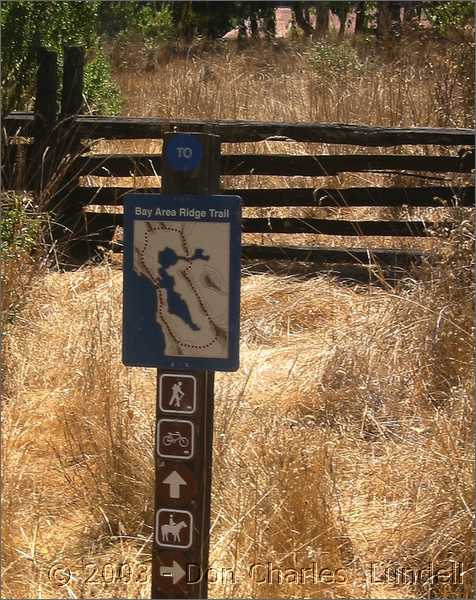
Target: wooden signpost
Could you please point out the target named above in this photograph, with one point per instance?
(181, 314)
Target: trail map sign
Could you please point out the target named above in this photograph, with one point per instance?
(181, 284)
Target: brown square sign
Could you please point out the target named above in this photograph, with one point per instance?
(176, 483)
(175, 438)
(178, 393)
(174, 528)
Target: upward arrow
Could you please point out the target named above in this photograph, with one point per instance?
(174, 481)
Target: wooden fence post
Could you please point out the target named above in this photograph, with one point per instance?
(73, 80)
(44, 120)
(69, 229)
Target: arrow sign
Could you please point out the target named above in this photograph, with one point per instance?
(175, 484)
(175, 571)
(174, 481)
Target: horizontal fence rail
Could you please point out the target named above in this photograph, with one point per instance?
(125, 165)
(100, 228)
(323, 165)
(103, 221)
(51, 152)
(338, 227)
(255, 131)
(435, 197)
(326, 197)
(322, 255)
(122, 165)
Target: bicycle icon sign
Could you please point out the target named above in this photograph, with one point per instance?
(175, 438)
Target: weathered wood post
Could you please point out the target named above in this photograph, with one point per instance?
(204, 180)
(70, 230)
(73, 80)
(181, 314)
(45, 118)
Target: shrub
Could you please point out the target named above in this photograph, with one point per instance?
(27, 25)
(102, 94)
(334, 60)
(20, 235)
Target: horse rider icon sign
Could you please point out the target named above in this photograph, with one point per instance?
(174, 528)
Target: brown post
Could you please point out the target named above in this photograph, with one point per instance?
(204, 180)
(183, 487)
(44, 119)
(73, 76)
(70, 228)
(71, 100)
(46, 91)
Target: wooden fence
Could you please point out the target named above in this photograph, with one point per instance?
(45, 138)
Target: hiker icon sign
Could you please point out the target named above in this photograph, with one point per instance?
(181, 282)
(177, 393)
(174, 528)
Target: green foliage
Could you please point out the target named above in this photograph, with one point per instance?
(203, 19)
(115, 17)
(155, 25)
(134, 20)
(260, 16)
(25, 26)
(101, 92)
(19, 229)
(334, 60)
(448, 16)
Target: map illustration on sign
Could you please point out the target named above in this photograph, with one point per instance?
(191, 286)
(185, 253)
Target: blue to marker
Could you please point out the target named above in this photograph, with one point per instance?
(184, 152)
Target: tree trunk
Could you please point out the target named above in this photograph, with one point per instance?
(343, 23)
(396, 23)
(300, 19)
(269, 22)
(254, 25)
(412, 15)
(384, 20)
(341, 13)
(186, 22)
(360, 17)
(242, 30)
(322, 18)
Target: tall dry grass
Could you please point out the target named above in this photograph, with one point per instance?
(421, 82)
(363, 83)
(345, 439)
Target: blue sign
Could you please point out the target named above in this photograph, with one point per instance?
(182, 281)
(184, 152)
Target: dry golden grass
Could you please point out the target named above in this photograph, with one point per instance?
(345, 438)
(279, 83)
(266, 82)
(335, 443)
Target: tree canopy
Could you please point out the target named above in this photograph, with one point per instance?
(28, 24)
